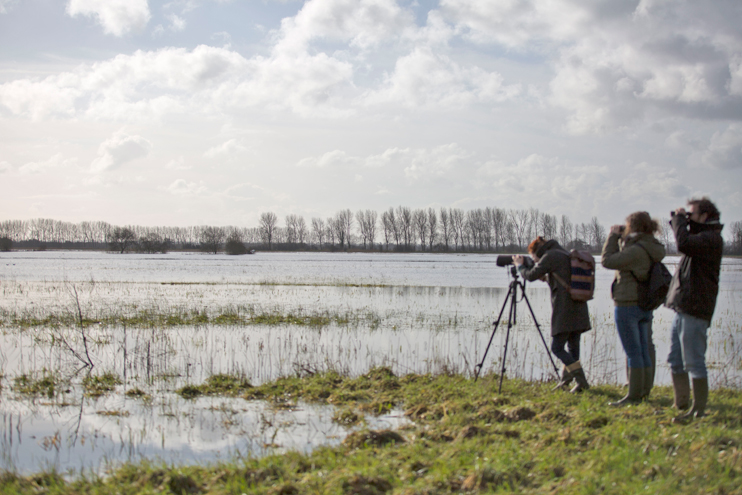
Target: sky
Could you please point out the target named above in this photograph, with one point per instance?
(211, 112)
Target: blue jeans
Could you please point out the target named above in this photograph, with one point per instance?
(688, 345)
(634, 327)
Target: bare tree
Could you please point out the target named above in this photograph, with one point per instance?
(499, 226)
(404, 220)
(211, 239)
(367, 226)
(153, 243)
(268, 225)
(318, 229)
(301, 230)
(565, 231)
(387, 226)
(445, 227)
(330, 232)
(420, 226)
(597, 233)
(343, 224)
(432, 228)
(292, 227)
(548, 226)
(520, 220)
(122, 239)
(395, 225)
(456, 216)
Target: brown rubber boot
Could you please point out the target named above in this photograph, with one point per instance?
(636, 388)
(579, 375)
(681, 390)
(565, 380)
(700, 398)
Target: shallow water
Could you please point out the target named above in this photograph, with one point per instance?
(415, 313)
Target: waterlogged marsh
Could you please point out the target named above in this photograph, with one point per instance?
(163, 322)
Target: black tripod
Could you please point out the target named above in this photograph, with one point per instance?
(513, 296)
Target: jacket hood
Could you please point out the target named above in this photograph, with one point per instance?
(550, 244)
(654, 247)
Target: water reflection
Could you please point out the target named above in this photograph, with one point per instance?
(94, 434)
(413, 313)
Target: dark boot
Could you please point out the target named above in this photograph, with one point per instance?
(579, 375)
(700, 398)
(681, 390)
(653, 358)
(648, 382)
(565, 380)
(636, 388)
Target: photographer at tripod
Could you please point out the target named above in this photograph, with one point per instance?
(569, 318)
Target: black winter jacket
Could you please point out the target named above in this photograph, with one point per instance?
(695, 284)
(567, 315)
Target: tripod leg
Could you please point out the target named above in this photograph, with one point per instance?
(507, 337)
(535, 321)
(478, 368)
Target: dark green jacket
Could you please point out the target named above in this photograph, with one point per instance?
(631, 262)
(566, 315)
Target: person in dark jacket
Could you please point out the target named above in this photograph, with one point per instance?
(630, 250)
(692, 295)
(569, 318)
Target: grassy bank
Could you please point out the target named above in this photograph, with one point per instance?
(464, 438)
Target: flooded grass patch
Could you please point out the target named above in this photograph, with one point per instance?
(217, 317)
(221, 384)
(464, 438)
(47, 384)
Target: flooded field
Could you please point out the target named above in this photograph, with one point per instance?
(158, 323)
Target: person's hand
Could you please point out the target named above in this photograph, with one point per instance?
(517, 260)
(680, 211)
(616, 229)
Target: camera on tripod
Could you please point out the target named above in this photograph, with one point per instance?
(507, 259)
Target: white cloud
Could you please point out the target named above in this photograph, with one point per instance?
(180, 187)
(7, 5)
(227, 149)
(177, 23)
(425, 78)
(117, 17)
(437, 162)
(5, 167)
(725, 149)
(55, 162)
(361, 23)
(334, 158)
(177, 164)
(148, 85)
(119, 149)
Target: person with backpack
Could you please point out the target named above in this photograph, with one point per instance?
(569, 318)
(692, 296)
(631, 250)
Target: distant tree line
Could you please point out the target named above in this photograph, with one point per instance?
(396, 229)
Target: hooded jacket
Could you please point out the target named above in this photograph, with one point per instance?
(631, 262)
(695, 283)
(567, 315)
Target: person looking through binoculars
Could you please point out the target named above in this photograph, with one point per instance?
(569, 318)
(630, 250)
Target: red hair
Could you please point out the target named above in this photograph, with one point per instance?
(536, 244)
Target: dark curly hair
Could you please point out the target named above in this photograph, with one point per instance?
(704, 205)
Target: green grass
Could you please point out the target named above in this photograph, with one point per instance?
(465, 438)
(47, 384)
(148, 318)
(98, 385)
